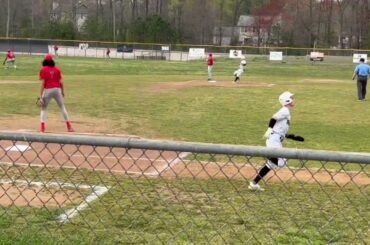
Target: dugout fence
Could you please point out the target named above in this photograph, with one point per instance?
(88, 189)
(158, 51)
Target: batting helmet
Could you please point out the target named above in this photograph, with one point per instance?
(48, 57)
(286, 98)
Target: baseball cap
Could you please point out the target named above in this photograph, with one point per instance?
(48, 57)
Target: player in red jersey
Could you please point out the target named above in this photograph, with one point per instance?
(52, 88)
(56, 48)
(210, 66)
(10, 60)
(107, 53)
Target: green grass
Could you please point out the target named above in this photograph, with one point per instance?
(186, 210)
(191, 210)
(326, 114)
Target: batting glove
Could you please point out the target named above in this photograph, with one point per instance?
(267, 134)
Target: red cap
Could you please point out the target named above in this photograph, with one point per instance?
(9, 51)
(48, 57)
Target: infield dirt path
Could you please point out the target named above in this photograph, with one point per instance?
(154, 163)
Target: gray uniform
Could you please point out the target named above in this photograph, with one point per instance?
(56, 94)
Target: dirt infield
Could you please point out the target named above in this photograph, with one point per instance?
(174, 86)
(18, 82)
(248, 172)
(55, 124)
(326, 81)
(36, 196)
(154, 163)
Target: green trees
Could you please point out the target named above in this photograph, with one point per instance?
(152, 29)
(59, 30)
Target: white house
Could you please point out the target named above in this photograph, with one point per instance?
(62, 11)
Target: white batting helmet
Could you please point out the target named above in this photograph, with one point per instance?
(243, 62)
(286, 98)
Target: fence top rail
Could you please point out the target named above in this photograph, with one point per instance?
(139, 143)
(184, 44)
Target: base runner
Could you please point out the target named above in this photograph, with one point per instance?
(240, 71)
(275, 135)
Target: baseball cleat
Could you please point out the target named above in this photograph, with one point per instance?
(70, 130)
(255, 187)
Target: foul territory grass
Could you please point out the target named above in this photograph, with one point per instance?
(190, 210)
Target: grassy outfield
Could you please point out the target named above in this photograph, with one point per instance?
(190, 211)
(327, 113)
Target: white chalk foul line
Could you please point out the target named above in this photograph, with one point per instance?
(165, 167)
(109, 157)
(69, 214)
(97, 191)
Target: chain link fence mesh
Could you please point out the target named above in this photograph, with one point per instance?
(83, 189)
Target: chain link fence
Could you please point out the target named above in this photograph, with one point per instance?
(107, 190)
(156, 51)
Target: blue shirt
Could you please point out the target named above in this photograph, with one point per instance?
(362, 70)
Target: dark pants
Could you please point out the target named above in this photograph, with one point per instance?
(361, 87)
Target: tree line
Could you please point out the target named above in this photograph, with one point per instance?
(297, 23)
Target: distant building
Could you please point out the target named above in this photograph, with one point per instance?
(247, 31)
(63, 11)
(81, 15)
(264, 26)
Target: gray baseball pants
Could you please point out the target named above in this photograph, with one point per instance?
(56, 94)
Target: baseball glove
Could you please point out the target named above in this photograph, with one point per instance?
(295, 137)
(39, 102)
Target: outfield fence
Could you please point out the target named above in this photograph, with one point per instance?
(157, 51)
(91, 190)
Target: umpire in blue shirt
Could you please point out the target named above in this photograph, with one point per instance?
(362, 71)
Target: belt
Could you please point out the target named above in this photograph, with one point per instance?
(282, 137)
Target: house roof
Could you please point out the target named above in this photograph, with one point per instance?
(245, 20)
(80, 8)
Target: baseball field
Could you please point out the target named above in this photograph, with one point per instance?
(173, 100)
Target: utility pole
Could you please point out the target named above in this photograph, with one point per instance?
(32, 18)
(8, 20)
(114, 19)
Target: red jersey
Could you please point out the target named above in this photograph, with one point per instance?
(52, 77)
(210, 61)
(10, 56)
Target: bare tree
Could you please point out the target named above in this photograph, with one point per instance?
(342, 5)
(236, 11)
